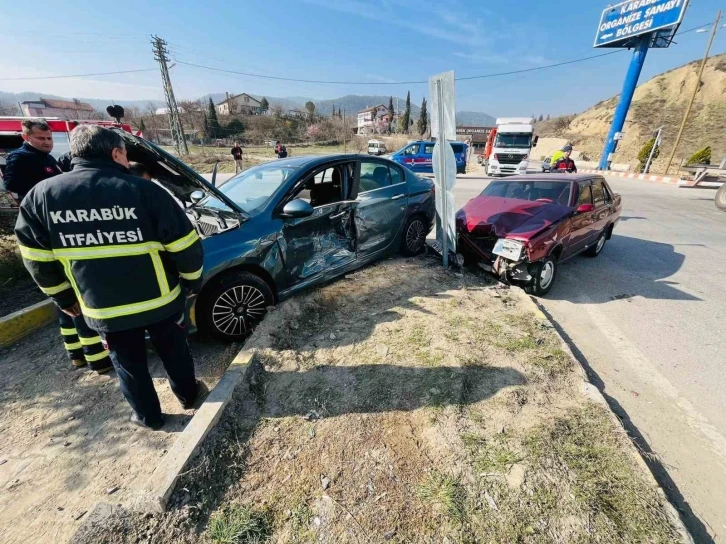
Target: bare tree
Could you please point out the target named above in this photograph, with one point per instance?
(9, 108)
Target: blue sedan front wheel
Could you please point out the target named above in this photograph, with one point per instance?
(232, 308)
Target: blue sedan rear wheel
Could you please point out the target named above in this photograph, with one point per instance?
(414, 236)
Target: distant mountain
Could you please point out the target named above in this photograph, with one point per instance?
(474, 119)
(352, 104)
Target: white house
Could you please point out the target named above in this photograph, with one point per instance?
(239, 104)
(373, 120)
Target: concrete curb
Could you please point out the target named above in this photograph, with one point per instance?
(155, 495)
(20, 324)
(592, 393)
(629, 175)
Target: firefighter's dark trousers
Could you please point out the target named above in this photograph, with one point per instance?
(83, 344)
(169, 338)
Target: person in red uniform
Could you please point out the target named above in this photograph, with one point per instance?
(565, 163)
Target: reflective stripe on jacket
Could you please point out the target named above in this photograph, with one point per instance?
(119, 245)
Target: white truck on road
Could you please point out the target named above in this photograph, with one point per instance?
(513, 143)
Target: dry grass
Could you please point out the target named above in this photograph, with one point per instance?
(11, 264)
(407, 404)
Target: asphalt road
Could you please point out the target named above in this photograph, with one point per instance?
(648, 317)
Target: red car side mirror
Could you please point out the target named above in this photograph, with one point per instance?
(584, 208)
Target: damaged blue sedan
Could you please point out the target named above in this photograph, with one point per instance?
(286, 225)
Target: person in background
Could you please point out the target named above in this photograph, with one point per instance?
(140, 170)
(237, 155)
(559, 153)
(106, 243)
(32, 162)
(564, 163)
(278, 145)
(282, 153)
(26, 167)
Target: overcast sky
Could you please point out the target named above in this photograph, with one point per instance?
(374, 41)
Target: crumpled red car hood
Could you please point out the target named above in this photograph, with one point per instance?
(502, 217)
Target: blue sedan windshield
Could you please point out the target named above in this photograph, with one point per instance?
(252, 189)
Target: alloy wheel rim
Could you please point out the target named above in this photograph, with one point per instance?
(415, 236)
(238, 309)
(545, 277)
(600, 242)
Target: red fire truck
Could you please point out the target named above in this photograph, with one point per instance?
(11, 131)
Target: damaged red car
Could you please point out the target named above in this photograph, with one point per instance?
(523, 227)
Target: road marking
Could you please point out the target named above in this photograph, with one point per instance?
(650, 375)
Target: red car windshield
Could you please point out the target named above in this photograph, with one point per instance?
(553, 192)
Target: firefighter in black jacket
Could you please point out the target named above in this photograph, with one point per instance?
(26, 167)
(119, 250)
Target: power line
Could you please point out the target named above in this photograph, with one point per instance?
(78, 75)
(281, 78)
(413, 82)
(469, 78)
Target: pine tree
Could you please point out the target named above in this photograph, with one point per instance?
(213, 128)
(390, 113)
(548, 116)
(235, 128)
(264, 104)
(423, 120)
(540, 118)
(406, 117)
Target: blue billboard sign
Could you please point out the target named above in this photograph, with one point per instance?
(622, 22)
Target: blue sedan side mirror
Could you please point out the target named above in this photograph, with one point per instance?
(297, 208)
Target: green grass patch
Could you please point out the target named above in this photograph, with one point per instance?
(490, 454)
(239, 524)
(301, 515)
(516, 345)
(418, 336)
(445, 493)
(427, 358)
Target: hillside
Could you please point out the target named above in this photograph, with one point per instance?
(659, 101)
(475, 119)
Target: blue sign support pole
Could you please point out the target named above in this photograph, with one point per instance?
(626, 97)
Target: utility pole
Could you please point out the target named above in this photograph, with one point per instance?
(695, 91)
(175, 124)
(345, 136)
